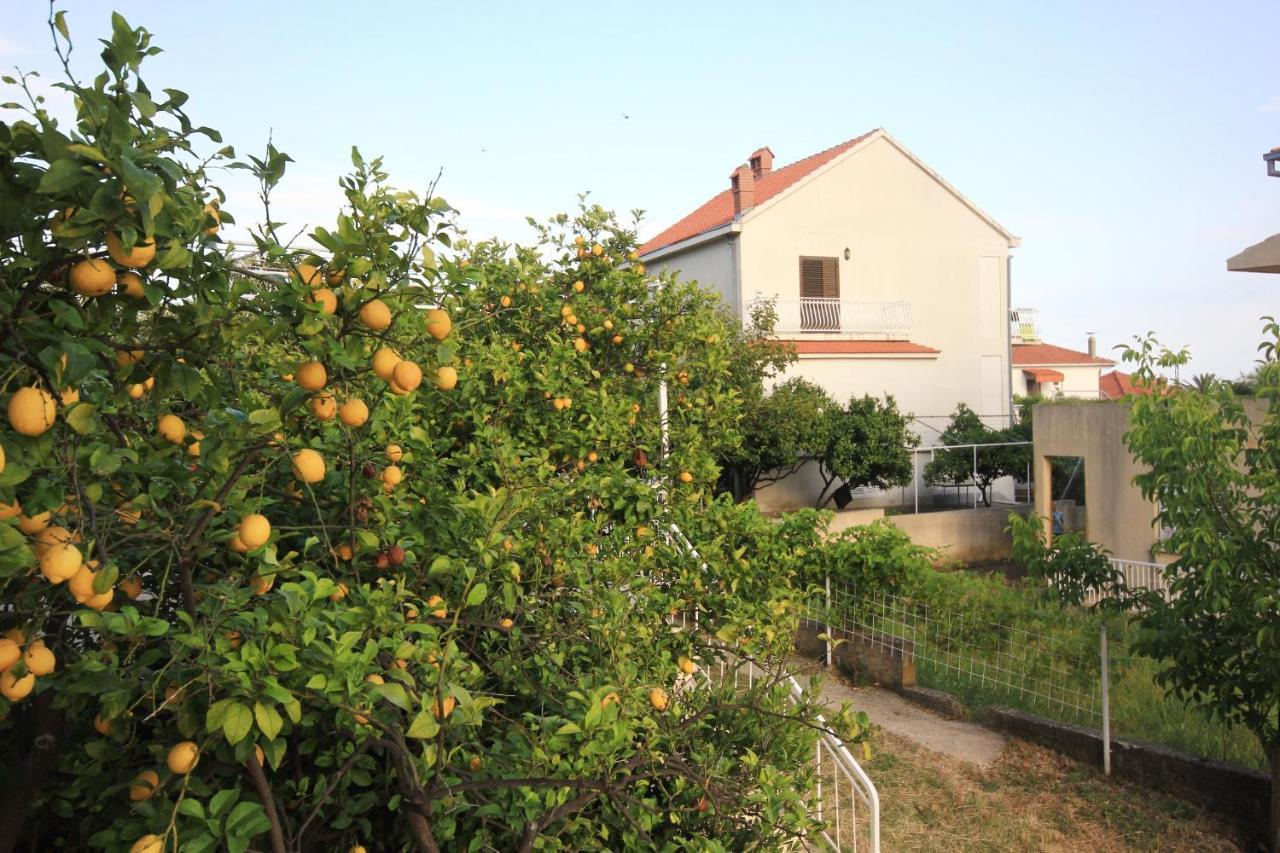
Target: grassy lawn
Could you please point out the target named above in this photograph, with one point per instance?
(1032, 799)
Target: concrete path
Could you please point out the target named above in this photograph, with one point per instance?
(958, 739)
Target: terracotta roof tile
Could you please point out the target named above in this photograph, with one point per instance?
(860, 348)
(1026, 355)
(719, 210)
(1116, 386)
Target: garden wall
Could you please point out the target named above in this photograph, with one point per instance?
(967, 535)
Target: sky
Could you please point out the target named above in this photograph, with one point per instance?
(1122, 142)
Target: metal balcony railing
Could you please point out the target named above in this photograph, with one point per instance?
(844, 317)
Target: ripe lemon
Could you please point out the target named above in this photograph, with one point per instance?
(131, 586)
(359, 848)
(69, 396)
(193, 449)
(39, 659)
(384, 363)
(101, 726)
(686, 477)
(407, 375)
(81, 584)
(171, 428)
(131, 284)
(396, 389)
(16, 689)
(336, 276)
(211, 212)
(580, 344)
(92, 277)
(144, 785)
(324, 407)
(124, 357)
(438, 323)
(506, 623)
(437, 602)
(50, 536)
(339, 593)
(183, 757)
(392, 475)
(60, 563)
(307, 274)
(446, 377)
(687, 666)
(254, 530)
(10, 651)
(308, 466)
(1, 458)
(148, 844)
(142, 253)
(238, 546)
(658, 699)
(344, 552)
(311, 375)
(326, 299)
(354, 412)
(445, 708)
(136, 391)
(100, 602)
(578, 286)
(375, 314)
(394, 453)
(32, 411)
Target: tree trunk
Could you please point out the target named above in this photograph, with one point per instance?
(1273, 831)
(43, 731)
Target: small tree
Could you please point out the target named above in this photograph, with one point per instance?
(956, 467)
(865, 444)
(781, 431)
(1213, 471)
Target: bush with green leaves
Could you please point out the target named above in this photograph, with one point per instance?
(373, 546)
(983, 467)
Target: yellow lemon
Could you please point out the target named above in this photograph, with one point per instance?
(183, 757)
(311, 375)
(308, 466)
(171, 428)
(394, 453)
(60, 563)
(407, 375)
(326, 299)
(92, 277)
(254, 530)
(39, 659)
(354, 412)
(131, 284)
(323, 406)
(392, 475)
(384, 363)
(144, 785)
(16, 689)
(32, 411)
(375, 314)
(446, 377)
(438, 323)
(142, 253)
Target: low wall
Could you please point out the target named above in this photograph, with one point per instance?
(1241, 796)
(880, 660)
(968, 535)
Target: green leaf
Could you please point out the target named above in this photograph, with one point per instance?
(13, 474)
(247, 820)
(62, 175)
(238, 722)
(222, 801)
(478, 594)
(423, 726)
(60, 21)
(80, 418)
(395, 694)
(269, 720)
(191, 808)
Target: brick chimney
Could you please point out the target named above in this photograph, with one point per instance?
(1093, 344)
(761, 161)
(742, 183)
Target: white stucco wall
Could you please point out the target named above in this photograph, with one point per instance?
(1078, 380)
(909, 239)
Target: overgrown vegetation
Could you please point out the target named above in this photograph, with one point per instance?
(373, 551)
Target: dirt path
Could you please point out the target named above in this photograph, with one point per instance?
(958, 739)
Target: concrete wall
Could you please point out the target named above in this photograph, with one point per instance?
(968, 535)
(1117, 516)
(909, 239)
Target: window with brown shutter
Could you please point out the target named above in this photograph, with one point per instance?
(819, 288)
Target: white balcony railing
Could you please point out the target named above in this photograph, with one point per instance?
(844, 318)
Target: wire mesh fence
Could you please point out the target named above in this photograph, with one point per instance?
(969, 655)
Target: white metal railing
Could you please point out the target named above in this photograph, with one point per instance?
(880, 320)
(1024, 326)
(1137, 575)
(847, 802)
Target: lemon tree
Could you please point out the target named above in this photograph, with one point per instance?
(368, 546)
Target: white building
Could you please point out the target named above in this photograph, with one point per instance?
(1046, 370)
(886, 279)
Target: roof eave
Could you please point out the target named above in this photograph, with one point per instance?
(692, 242)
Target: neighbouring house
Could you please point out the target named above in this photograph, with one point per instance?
(1264, 256)
(884, 277)
(1117, 385)
(1045, 370)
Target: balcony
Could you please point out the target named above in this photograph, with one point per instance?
(843, 318)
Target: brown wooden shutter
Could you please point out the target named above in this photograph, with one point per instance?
(819, 278)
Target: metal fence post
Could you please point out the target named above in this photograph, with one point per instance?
(975, 475)
(1106, 707)
(828, 621)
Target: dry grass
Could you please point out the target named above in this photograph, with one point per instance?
(1032, 799)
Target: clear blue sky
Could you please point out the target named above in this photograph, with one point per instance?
(1121, 141)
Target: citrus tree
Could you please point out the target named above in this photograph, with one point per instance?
(378, 545)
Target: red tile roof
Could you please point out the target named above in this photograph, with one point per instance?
(860, 348)
(1027, 355)
(1116, 386)
(719, 210)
